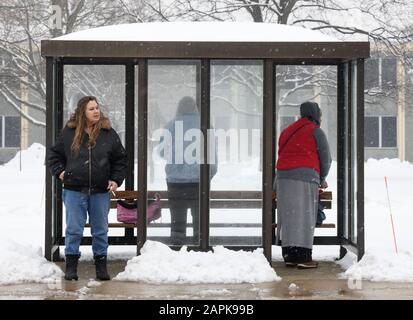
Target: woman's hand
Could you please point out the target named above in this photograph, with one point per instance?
(61, 175)
(323, 184)
(112, 186)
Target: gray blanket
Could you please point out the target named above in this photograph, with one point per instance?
(297, 203)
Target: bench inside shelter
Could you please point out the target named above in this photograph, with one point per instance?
(219, 200)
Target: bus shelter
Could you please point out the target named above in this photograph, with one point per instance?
(248, 80)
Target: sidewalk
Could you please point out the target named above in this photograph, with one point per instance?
(321, 283)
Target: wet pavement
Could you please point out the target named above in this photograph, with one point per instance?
(321, 283)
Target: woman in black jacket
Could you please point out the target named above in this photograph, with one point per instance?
(90, 161)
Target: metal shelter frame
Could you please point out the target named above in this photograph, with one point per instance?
(348, 57)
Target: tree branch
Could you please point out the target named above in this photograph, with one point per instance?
(23, 114)
(27, 103)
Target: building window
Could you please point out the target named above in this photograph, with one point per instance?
(10, 131)
(285, 121)
(389, 132)
(380, 132)
(371, 132)
(381, 73)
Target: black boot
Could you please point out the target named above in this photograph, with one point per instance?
(290, 256)
(71, 267)
(305, 259)
(101, 271)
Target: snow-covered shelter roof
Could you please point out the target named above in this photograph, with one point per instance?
(199, 32)
(203, 40)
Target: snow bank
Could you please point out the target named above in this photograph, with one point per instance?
(22, 197)
(21, 264)
(31, 158)
(394, 168)
(160, 264)
(383, 266)
(380, 262)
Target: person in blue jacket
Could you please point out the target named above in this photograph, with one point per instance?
(182, 173)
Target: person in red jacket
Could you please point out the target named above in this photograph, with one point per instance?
(303, 163)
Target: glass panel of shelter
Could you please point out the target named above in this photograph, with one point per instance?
(236, 123)
(107, 84)
(345, 161)
(318, 83)
(236, 120)
(174, 143)
(354, 177)
(135, 132)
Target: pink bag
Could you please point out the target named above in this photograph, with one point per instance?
(127, 212)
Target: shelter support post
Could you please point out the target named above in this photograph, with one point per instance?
(268, 156)
(205, 77)
(142, 151)
(360, 158)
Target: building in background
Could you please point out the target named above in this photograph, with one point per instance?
(16, 131)
(388, 110)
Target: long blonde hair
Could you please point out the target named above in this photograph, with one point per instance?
(78, 120)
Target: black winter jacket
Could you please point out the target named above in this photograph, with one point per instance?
(108, 161)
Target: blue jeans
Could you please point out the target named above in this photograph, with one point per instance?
(77, 205)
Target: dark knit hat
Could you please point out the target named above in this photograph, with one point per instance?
(311, 111)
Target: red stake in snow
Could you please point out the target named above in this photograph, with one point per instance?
(391, 216)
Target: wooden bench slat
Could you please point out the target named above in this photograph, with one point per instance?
(212, 225)
(115, 225)
(324, 225)
(326, 195)
(229, 204)
(233, 225)
(130, 194)
(215, 195)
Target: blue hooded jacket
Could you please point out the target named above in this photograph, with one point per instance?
(178, 170)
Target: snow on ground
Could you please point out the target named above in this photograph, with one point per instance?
(22, 229)
(379, 265)
(22, 221)
(381, 262)
(160, 264)
(22, 263)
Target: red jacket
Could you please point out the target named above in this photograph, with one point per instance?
(297, 147)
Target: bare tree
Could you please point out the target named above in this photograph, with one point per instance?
(147, 10)
(386, 21)
(386, 24)
(23, 24)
